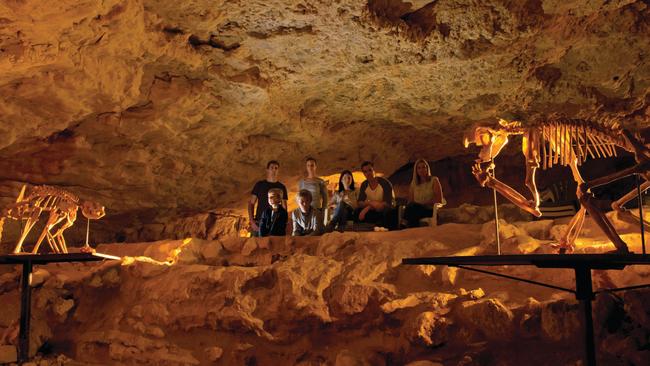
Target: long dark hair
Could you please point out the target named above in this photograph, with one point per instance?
(341, 187)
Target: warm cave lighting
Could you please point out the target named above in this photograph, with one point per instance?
(173, 255)
(171, 259)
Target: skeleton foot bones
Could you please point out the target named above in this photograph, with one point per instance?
(568, 142)
(62, 207)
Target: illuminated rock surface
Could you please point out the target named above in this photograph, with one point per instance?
(164, 104)
(166, 112)
(338, 299)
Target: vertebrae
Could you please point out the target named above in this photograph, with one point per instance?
(564, 139)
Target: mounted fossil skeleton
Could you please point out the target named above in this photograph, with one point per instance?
(62, 206)
(567, 142)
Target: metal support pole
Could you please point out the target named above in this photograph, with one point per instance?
(25, 312)
(87, 230)
(585, 294)
(496, 216)
(640, 198)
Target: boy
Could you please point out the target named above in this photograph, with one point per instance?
(306, 219)
(273, 221)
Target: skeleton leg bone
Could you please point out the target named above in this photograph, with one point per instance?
(585, 197)
(507, 191)
(52, 243)
(54, 219)
(59, 235)
(618, 204)
(567, 242)
(31, 221)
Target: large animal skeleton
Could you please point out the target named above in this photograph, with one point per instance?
(62, 207)
(567, 142)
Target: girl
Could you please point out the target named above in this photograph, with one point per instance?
(344, 202)
(425, 192)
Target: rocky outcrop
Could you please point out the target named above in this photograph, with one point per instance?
(343, 298)
(151, 105)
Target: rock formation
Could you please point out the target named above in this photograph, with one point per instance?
(167, 111)
(150, 105)
(339, 299)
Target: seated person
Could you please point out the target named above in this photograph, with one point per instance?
(344, 202)
(375, 197)
(273, 221)
(306, 219)
(425, 192)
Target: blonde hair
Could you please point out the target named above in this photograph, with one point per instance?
(416, 179)
(277, 191)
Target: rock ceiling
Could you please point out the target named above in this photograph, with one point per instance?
(159, 104)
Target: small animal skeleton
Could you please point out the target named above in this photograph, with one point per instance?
(62, 207)
(567, 142)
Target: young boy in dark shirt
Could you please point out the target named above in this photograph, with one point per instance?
(273, 221)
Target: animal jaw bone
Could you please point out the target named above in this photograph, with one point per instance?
(561, 141)
(62, 207)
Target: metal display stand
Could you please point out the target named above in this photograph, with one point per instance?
(582, 264)
(28, 261)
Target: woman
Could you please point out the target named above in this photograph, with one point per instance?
(344, 202)
(315, 185)
(425, 192)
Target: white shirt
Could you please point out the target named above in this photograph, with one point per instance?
(375, 195)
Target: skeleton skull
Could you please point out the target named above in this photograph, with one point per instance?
(491, 141)
(92, 210)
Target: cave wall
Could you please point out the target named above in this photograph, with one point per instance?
(154, 104)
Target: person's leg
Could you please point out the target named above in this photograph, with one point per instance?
(384, 218)
(374, 217)
(415, 212)
(336, 219)
(410, 215)
(346, 211)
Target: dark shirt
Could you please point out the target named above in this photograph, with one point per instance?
(261, 190)
(273, 223)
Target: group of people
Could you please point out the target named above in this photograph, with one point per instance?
(372, 202)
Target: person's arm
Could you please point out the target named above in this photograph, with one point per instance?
(351, 199)
(437, 191)
(411, 197)
(251, 214)
(362, 195)
(336, 198)
(262, 228)
(324, 193)
(297, 227)
(286, 197)
(316, 223)
(388, 193)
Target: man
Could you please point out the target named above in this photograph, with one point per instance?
(306, 219)
(259, 195)
(375, 197)
(273, 221)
